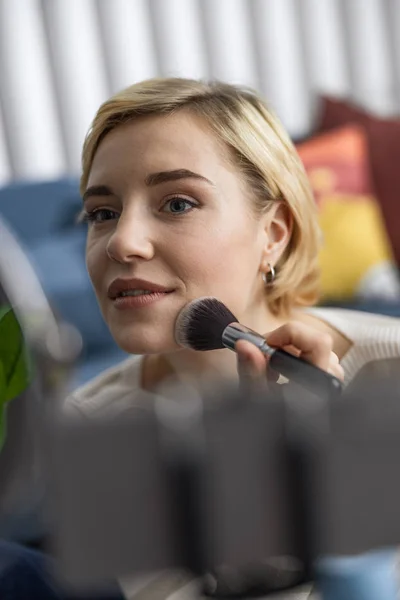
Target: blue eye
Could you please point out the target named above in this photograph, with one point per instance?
(99, 216)
(179, 206)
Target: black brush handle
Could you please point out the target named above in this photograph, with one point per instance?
(296, 369)
(304, 373)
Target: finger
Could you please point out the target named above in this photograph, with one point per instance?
(337, 371)
(334, 359)
(315, 346)
(251, 361)
(292, 350)
(252, 366)
(335, 368)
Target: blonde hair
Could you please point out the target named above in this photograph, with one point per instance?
(263, 154)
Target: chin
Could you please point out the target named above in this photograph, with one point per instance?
(150, 341)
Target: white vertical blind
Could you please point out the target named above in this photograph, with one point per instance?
(230, 42)
(28, 104)
(180, 41)
(282, 65)
(60, 59)
(324, 43)
(79, 72)
(369, 55)
(5, 168)
(128, 40)
(393, 24)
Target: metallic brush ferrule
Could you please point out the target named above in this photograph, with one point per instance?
(235, 331)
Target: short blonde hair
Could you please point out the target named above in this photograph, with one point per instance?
(263, 154)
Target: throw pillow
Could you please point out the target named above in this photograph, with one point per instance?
(383, 140)
(356, 251)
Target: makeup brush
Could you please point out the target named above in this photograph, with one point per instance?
(207, 324)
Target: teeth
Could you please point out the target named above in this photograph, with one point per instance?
(135, 293)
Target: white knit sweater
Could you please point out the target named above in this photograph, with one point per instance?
(375, 341)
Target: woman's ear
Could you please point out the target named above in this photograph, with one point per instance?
(278, 231)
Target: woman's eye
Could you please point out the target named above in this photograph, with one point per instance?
(99, 216)
(178, 206)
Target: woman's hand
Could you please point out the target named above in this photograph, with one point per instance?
(295, 337)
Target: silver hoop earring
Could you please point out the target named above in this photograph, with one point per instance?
(269, 276)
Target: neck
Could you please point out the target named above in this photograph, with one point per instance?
(214, 364)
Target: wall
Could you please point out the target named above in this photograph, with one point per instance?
(59, 59)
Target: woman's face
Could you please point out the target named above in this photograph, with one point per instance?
(169, 214)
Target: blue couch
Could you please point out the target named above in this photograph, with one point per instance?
(43, 217)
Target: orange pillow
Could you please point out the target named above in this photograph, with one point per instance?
(356, 245)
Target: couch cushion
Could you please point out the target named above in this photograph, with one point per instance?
(35, 210)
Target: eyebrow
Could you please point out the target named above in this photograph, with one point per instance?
(151, 180)
(164, 176)
(96, 190)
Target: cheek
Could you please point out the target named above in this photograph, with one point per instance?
(219, 256)
(95, 260)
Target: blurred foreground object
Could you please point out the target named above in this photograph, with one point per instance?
(231, 482)
(31, 333)
(14, 364)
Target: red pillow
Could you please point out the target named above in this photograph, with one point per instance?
(383, 137)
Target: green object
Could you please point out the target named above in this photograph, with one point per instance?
(14, 364)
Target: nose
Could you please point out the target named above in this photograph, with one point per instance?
(130, 240)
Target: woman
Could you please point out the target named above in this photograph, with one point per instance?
(193, 189)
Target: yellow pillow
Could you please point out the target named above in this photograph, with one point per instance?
(355, 241)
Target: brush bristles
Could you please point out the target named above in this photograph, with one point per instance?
(201, 323)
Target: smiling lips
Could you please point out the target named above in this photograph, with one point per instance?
(134, 293)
